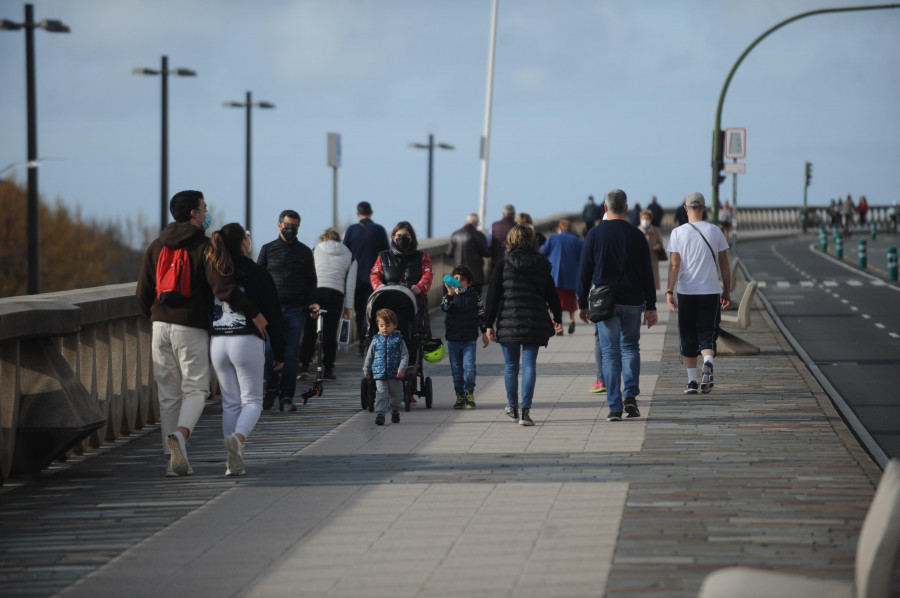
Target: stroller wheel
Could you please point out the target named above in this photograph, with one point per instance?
(428, 393)
(407, 395)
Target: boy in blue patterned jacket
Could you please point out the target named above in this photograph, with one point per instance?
(386, 362)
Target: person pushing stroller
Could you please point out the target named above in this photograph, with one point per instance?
(386, 361)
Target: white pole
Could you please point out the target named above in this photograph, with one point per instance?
(486, 136)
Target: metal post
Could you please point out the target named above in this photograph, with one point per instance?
(733, 220)
(486, 135)
(430, 179)
(164, 185)
(334, 198)
(34, 212)
(247, 223)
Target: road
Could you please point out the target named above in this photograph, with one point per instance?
(845, 323)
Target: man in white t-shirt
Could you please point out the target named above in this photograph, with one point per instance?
(694, 249)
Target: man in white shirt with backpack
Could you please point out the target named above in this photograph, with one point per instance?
(697, 254)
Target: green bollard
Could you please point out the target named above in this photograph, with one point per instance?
(872, 230)
(823, 240)
(839, 246)
(861, 251)
(892, 263)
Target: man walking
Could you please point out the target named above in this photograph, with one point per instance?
(617, 255)
(366, 240)
(291, 265)
(468, 247)
(179, 317)
(695, 250)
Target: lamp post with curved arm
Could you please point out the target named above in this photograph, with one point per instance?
(717, 132)
(430, 147)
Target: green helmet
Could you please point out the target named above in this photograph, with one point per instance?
(433, 350)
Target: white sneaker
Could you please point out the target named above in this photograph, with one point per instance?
(178, 458)
(235, 461)
(170, 473)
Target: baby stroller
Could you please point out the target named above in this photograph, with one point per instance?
(402, 302)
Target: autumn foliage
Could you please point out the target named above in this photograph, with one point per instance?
(74, 253)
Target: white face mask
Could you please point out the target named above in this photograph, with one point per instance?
(645, 223)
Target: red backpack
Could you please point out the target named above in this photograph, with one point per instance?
(173, 277)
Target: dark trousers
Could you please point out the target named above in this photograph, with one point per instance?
(360, 298)
(332, 302)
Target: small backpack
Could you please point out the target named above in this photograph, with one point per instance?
(173, 277)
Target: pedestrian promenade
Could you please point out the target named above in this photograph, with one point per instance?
(451, 503)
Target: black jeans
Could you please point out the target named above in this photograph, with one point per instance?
(332, 302)
(698, 323)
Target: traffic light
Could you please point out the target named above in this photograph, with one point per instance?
(808, 173)
(717, 175)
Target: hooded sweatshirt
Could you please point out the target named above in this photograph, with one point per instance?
(336, 269)
(205, 281)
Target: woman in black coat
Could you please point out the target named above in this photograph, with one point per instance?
(521, 290)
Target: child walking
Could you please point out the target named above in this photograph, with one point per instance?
(464, 319)
(386, 362)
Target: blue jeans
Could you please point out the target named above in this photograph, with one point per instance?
(598, 354)
(462, 365)
(285, 381)
(511, 352)
(620, 338)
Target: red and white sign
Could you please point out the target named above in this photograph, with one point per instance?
(735, 143)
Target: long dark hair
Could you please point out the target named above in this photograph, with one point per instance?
(226, 246)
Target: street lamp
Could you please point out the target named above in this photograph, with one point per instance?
(34, 233)
(165, 72)
(430, 147)
(248, 105)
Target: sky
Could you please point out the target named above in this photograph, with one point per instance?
(589, 95)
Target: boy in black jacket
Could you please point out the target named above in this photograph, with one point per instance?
(464, 323)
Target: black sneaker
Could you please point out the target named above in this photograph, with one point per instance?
(379, 419)
(614, 416)
(269, 399)
(329, 375)
(395, 417)
(631, 408)
(526, 418)
(691, 388)
(512, 413)
(706, 380)
(287, 406)
(303, 374)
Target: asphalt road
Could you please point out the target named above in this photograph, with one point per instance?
(844, 321)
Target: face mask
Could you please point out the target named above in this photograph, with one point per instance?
(289, 233)
(403, 242)
(207, 220)
(645, 223)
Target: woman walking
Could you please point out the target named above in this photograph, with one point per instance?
(237, 351)
(654, 239)
(336, 275)
(563, 249)
(521, 291)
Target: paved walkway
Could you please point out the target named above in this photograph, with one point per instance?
(449, 503)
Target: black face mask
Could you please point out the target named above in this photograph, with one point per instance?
(403, 242)
(289, 233)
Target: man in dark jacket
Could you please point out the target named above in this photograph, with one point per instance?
(291, 265)
(617, 255)
(468, 247)
(366, 240)
(180, 337)
(656, 211)
(499, 230)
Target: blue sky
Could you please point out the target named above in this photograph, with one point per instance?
(588, 95)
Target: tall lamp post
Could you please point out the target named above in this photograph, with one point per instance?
(34, 244)
(430, 147)
(164, 71)
(248, 105)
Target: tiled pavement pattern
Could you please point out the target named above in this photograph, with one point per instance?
(447, 503)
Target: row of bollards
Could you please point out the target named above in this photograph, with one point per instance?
(861, 250)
